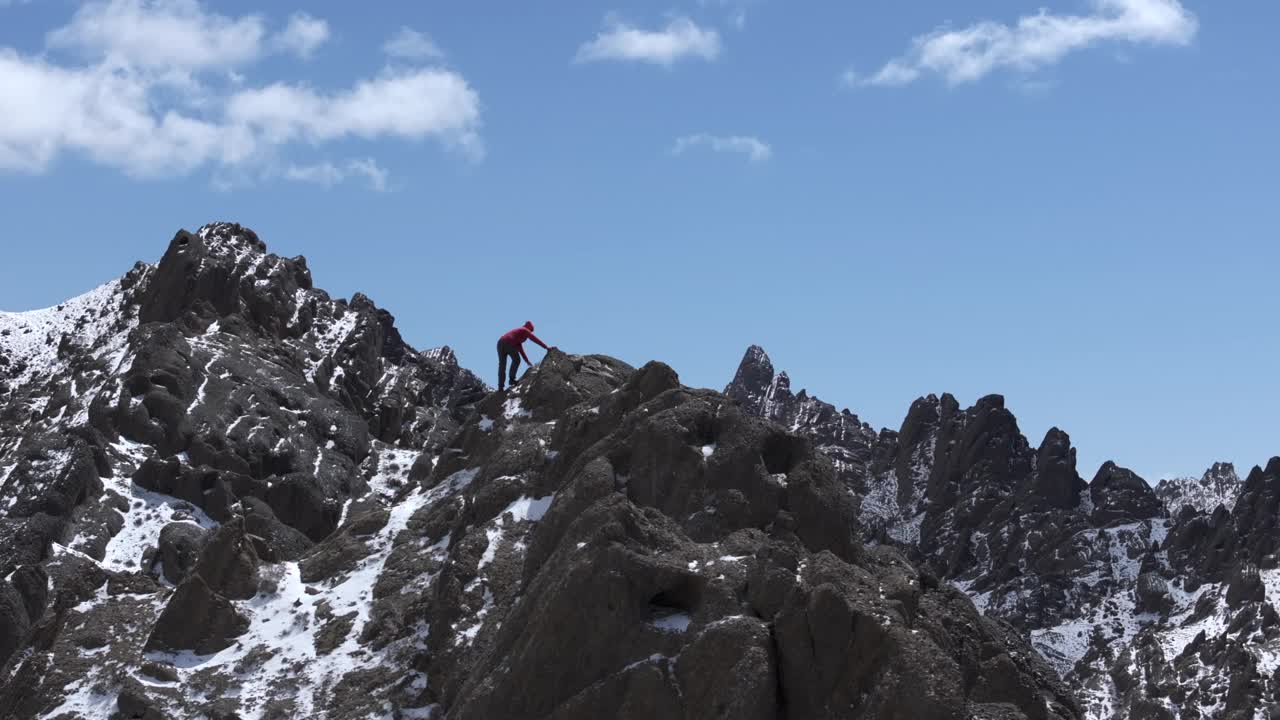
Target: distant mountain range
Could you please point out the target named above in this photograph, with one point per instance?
(1150, 603)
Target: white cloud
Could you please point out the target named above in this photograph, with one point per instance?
(408, 104)
(105, 113)
(752, 147)
(168, 34)
(164, 109)
(1034, 41)
(327, 174)
(303, 35)
(680, 39)
(410, 44)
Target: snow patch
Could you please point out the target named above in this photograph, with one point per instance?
(672, 623)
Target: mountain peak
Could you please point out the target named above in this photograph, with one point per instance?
(228, 237)
(1219, 485)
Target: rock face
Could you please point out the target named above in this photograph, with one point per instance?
(1149, 604)
(656, 552)
(1119, 495)
(169, 438)
(224, 494)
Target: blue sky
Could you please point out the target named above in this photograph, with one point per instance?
(1076, 208)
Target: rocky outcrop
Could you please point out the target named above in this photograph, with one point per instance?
(1055, 481)
(190, 424)
(693, 560)
(1119, 495)
(1111, 580)
(198, 619)
(1218, 486)
(179, 549)
(228, 562)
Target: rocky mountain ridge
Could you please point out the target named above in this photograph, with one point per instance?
(224, 494)
(1152, 603)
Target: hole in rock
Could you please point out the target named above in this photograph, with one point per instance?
(704, 431)
(781, 453)
(683, 594)
(621, 462)
(672, 610)
(278, 463)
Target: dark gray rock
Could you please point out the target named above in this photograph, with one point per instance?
(15, 624)
(299, 503)
(160, 671)
(32, 584)
(197, 619)
(1152, 594)
(228, 562)
(179, 549)
(133, 702)
(279, 542)
(1119, 495)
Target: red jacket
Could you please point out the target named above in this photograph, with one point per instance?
(519, 335)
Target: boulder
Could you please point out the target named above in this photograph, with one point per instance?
(228, 562)
(179, 549)
(133, 702)
(274, 541)
(300, 504)
(1245, 585)
(197, 619)
(1152, 594)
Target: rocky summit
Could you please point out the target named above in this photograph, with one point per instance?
(1150, 604)
(225, 494)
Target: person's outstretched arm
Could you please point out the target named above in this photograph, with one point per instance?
(535, 339)
(527, 361)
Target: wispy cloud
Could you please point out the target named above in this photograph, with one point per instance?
(303, 35)
(752, 147)
(1034, 41)
(162, 88)
(410, 44)
(680, 39)
(328, 174)
(737, 10)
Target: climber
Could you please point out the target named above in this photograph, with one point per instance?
(511, 346)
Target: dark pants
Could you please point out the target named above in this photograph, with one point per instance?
(507, 350)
